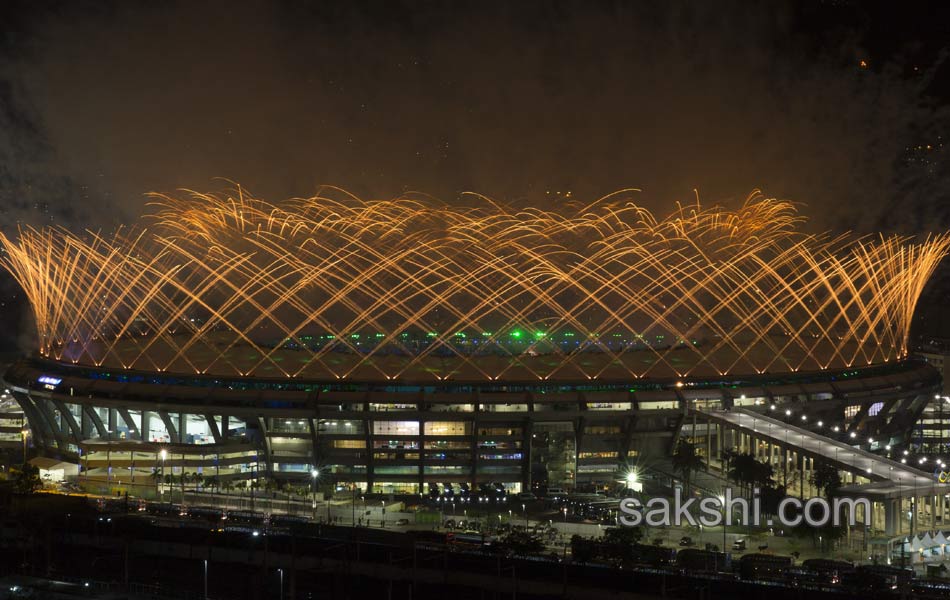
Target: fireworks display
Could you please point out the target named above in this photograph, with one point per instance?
(333, 287)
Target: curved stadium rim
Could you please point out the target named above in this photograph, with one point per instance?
(277, 384)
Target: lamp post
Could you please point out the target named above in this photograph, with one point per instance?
(631, 480)
(163, 454)
(524, 511)
(314, 474)
(25, 433)
(722, 501)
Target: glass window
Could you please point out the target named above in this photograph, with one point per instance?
(339, 427)
(375, 406)
(395, 427)
(447, 428)
(349, 443)
(659, 405)
(504, 407)
(452, 407)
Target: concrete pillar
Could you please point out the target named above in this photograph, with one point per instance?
(891, 517)
(719, 441)
(801, 477)
(785, 467)
(913, 515)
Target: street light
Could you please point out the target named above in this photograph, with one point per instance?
(524, 511)
(26, 434)
(722, 501)
(314, 474)
(164, 455)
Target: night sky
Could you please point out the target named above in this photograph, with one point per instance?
(841, 106)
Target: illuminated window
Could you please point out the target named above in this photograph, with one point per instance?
(374, 406)
(608, 406)
(446, 428)
(349, 443)
(396, 427)
(597, 455)
(500, 431)
(659, 405)
(875, 409)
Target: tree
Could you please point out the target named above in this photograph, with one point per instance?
(26, 479)
(686, 461)
(522, 542)
(623, 535)
(748, 472)
(618, 542)
(211, 481)
(826, 478)
(771, 497)
(583, 549)
(156, 477)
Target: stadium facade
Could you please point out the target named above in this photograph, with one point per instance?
(394, 345)
(385, 437)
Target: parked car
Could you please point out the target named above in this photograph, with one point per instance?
(686, 541)
(402, 521)
(739, 545)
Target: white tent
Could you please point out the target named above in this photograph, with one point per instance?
(54, 470)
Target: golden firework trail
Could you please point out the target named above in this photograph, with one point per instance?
(334, 287)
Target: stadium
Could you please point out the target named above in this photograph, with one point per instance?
(392, 346)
